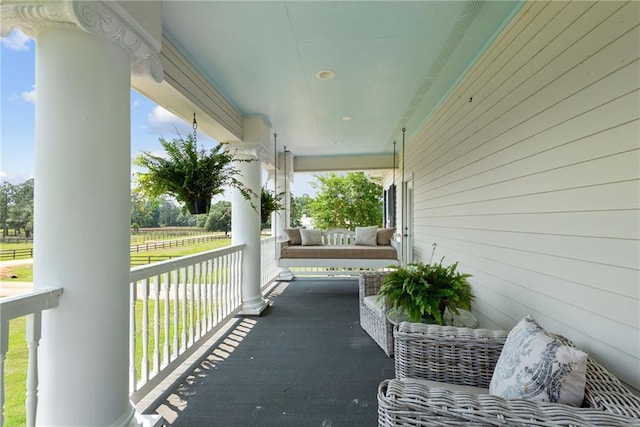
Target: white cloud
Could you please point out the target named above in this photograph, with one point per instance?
(135, 104)
(162, 121)
(29, 96)
(2, 174)
(17, 40)
(25, 96)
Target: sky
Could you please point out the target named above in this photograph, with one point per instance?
(17, 118)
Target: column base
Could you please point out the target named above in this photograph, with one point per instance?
(285, 275)
(149, 420)
(254, 308)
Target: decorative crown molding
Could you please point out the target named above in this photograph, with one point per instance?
(31, 16)
(102, 18)
(108, 20)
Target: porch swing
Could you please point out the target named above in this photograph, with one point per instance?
(340, 251)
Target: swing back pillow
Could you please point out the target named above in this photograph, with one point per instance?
(310, 237)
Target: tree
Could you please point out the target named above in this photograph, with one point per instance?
(16, 208)
(141, 210)
(5, 191)
(299, 207)
(219, 217)
(346, 201)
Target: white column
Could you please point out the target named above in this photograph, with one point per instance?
(245, 228)
(85, 53)
(82, 216)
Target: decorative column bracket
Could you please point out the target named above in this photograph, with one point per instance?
(103, 18)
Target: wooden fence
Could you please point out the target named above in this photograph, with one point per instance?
(8, 254)
(146, 247)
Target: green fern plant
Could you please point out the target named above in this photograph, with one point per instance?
(193, 176)
(427, 290)
(269, 202)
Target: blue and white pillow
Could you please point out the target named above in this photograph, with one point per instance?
(536, 366)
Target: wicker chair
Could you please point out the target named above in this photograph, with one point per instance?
(467, 357)
(374, 321)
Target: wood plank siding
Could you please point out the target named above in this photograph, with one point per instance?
(528, 173)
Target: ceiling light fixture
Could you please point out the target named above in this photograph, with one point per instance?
(325, 75)
(346, 118)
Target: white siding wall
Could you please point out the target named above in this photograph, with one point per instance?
(529, 175)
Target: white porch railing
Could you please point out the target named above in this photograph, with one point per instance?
(31, 305)
(268, 262)
(174, 305)
(177, 304)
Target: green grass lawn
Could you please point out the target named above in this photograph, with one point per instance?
(24, 273)
(189, 250)
(15, 375)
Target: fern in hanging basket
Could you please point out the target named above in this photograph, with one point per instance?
(269, 203)
(193, 176)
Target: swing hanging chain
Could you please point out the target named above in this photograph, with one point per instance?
(195, 128)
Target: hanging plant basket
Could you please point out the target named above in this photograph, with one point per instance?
(269, 202)
(191, 175)
(198, 206)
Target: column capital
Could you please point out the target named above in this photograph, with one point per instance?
(248, 151)
(103, 18)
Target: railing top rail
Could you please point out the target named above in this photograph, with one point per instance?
(142, 272)
(29, 302)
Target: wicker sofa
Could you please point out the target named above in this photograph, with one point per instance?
(428, 355)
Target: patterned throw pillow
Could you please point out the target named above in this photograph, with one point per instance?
(367, 236)
(311, 237)
(536, 366)
(293, 236)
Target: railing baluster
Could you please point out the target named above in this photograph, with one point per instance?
(145, 331)
(34, 332)
(133, 380)
(192, 296)
(156, 323)
(176, 320)
(167, 337)
(213, 293)
(222, 287)
(205, 312)
(198, 268)
(183, 334)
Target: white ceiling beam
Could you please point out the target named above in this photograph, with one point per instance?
(343, 163)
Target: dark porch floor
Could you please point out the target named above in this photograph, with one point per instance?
(305, 362)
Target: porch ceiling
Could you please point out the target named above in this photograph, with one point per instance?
(393, 62)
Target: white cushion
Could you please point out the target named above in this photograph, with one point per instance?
(367, 236)
(376, 305)
(536, 366)
(310, 237)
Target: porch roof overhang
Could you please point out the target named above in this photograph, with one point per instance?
(393, 63)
